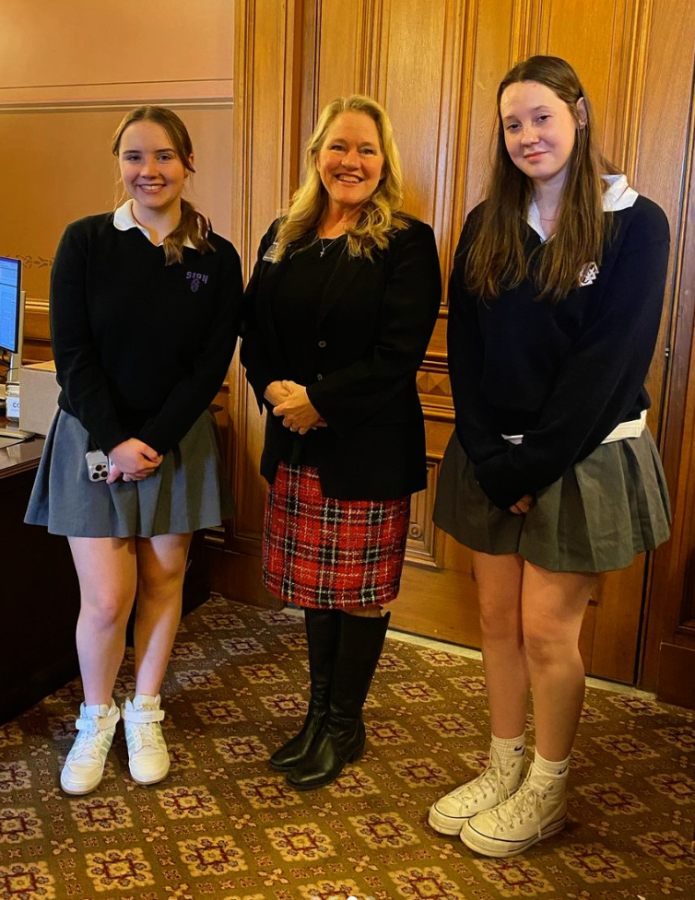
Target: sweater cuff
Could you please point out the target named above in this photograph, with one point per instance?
(498, 483)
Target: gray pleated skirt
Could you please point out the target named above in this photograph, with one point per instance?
(606, 509)
(187, 492)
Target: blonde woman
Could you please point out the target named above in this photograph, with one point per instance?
(338, 315)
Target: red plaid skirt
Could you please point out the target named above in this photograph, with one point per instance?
(327, 553)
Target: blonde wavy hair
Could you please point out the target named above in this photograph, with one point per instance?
(193, 225)
(379, 215)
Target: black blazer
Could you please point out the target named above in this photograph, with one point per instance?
(375, 321)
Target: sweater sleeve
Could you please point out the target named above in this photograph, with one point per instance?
(601, 377)
(260, 369)
(209, 363)
(408, 312)
(78, 366)
(465, 353)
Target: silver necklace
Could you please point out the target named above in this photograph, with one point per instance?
(325, 245)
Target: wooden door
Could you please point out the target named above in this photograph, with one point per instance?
(435, 65)
(669, 659)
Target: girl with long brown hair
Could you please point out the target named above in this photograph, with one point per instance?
(551, 475)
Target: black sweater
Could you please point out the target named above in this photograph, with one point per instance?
(366, 338)
(563, 376)
(141, 348)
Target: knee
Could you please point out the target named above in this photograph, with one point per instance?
(496, 627)
(108, 609)
(160, 586)
(546, 645)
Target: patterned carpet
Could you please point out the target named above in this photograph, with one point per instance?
(224, 825)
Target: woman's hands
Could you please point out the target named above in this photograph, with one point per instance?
(290, 400)
(276, 392)
(133, 460)
(524, 505)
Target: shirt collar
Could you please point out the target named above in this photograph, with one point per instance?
(124, 220)
(619, 195)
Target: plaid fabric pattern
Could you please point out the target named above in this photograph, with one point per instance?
(327, 553)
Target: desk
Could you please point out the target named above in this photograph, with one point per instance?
(39, 594)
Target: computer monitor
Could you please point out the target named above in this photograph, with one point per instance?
(11, 309)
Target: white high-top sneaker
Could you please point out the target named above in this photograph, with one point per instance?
(496, 784)
(147, 750)
(532, 814)
(84, 764)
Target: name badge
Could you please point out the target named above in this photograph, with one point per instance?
(271, 252)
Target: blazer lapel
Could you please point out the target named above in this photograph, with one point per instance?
(269, 281)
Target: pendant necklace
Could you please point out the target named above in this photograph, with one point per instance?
(327, 243)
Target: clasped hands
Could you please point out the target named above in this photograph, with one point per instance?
(524, 505)
(133, 460)
(291, 401)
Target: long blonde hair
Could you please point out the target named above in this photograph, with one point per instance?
(496, 259)
(193, 225)
(379, 214)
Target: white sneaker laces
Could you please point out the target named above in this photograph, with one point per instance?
(489, 782)
(93, 736)
(141, 733)
(524, 806)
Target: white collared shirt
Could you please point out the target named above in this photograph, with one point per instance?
(618, 196)
(124, 220)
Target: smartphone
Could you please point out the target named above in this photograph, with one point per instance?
(98, 464)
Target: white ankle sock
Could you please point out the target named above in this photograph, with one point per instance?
(543, 770)
(508, 750)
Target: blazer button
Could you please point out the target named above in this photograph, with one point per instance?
(319, 377)
(322, 343)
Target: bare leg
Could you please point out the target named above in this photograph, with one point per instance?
(371, 612)
(553, 606)
(499, 581)
(106, 569)
(161, 569)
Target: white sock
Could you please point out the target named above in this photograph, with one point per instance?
(544, 770)
(508, 750)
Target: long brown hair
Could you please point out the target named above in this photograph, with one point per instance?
(496, 259)
(193, 226)
(379, 214)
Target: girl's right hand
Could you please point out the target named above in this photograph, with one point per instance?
(133, 460)
(521, 507)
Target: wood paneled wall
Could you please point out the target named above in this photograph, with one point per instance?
(435, 65)
(68, 72)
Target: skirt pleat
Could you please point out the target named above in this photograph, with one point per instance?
(596, 518)
(188, 491)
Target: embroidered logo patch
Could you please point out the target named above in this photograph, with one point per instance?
(588, 274)
(196, 279)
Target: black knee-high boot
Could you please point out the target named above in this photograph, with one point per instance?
(343, 736)
(322, 629)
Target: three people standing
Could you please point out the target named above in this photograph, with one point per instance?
(550, 477)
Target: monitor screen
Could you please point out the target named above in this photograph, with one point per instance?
(10, 303)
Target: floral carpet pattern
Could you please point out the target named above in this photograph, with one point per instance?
(224, 825)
